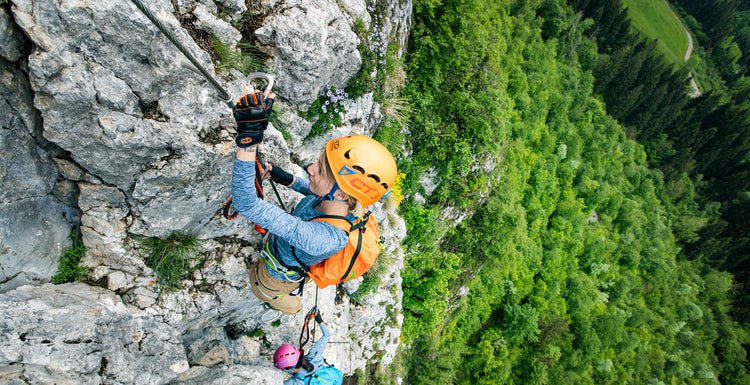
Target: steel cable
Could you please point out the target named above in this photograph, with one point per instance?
(223, 94)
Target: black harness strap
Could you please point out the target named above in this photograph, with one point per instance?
(354, 257)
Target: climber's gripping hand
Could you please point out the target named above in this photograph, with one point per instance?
(318, 318)
(252, 113)
(278, 175)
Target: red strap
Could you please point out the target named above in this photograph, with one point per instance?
(258, 179)
(227, 207)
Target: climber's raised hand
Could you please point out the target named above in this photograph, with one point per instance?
(252, 113)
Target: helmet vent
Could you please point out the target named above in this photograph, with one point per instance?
(385, 185)
(358, 168)
(346, 154)
(375, 177)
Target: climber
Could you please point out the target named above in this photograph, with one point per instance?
(365, 173)
(311, 368)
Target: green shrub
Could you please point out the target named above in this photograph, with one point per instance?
(69, 267)
(171, 258)
(255, 333)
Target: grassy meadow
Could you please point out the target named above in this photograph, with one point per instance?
(654, 19)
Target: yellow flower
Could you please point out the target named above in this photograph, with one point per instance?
(398, 195)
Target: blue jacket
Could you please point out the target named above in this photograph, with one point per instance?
(314, 241)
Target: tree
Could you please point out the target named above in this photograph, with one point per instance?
(520, 323)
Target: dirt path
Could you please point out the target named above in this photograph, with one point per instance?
(695, 92)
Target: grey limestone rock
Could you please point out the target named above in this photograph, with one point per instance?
(312, 44)
(230, 375)
(222, 30)
(11, 43)
(33, 227)
(77, 332)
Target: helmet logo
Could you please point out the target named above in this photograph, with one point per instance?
(346, 170)
(367, 190)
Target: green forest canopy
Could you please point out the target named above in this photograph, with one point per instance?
(554, 298)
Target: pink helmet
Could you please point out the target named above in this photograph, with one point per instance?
(286, 356)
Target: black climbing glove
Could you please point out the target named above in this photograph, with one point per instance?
(252, 113)
(278, 175)
(318, 318)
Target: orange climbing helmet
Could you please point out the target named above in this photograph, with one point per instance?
(362, 167)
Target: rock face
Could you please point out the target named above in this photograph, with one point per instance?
(76, 332)
(33, 225)
(104, 130)
(312, 45)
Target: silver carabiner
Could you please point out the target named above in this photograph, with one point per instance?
(269, 80)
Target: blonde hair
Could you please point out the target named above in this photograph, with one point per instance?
(391, 202)
(355, 208)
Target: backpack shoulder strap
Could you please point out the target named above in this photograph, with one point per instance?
(343, 223)
(348, 223)
(306, 379)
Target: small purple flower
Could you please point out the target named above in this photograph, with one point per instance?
(325, 109)
(330, 116)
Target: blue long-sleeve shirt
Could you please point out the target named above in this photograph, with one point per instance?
(315, 356)
(314, 241)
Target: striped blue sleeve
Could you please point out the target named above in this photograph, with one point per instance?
(315, 355)
(314, 237)
(301, 185)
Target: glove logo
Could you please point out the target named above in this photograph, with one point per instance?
(246, 140)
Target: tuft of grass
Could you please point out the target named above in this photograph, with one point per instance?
(372, 279)
(276, 323)
(278, 123)
(245, 58)
(398, 109)
(396, 74)
(69, 268)
(171, 258)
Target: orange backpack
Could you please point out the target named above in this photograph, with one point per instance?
(354, 259)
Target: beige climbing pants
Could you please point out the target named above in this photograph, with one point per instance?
(273, 291)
